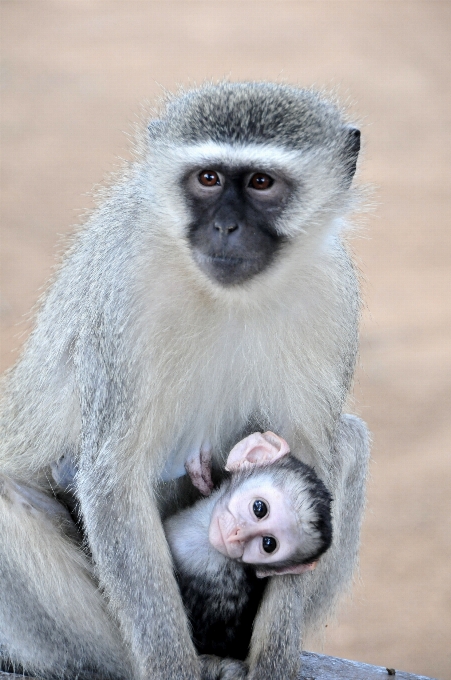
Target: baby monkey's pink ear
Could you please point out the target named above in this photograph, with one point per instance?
(257, 449)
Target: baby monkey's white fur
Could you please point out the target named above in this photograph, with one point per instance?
(138, 359)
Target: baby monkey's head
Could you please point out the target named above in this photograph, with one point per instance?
(273, 512)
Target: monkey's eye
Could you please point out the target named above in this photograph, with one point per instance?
(209, 178)
(269, 544)
(260, 509)
(260, 181)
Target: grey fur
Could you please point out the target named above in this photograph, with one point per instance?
(137, 358)
(215, 668)
(246, 113)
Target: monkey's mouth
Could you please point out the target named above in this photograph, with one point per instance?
(229, 261)
(228, 270)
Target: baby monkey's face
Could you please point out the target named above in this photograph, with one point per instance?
(254, 519)
(255, 524)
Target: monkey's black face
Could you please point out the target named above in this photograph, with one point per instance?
(234, 213)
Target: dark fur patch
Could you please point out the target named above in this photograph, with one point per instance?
(222, 611)
(251, 112)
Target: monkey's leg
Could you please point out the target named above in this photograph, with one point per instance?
(123, 525)
(53, 620)
(294, 604)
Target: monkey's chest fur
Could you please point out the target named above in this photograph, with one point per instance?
(222, 609)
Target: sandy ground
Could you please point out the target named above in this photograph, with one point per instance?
(74, 75)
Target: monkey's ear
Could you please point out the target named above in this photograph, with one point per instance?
(257, 449)
(352, 150)
(297, 569)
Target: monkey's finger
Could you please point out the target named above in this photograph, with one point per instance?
(205, 468)
(200, 473)
(207, 481)
(204, 486)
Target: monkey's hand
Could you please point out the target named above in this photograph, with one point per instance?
(198, 467)
(216, 668)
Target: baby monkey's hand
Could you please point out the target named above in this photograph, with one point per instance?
(198, 467)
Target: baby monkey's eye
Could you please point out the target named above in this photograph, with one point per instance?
(260, 181)
(269, 544)
(260, 509)
(209, 178)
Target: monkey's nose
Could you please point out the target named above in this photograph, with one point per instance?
(224, 229)
(235, 536)
(239, 535)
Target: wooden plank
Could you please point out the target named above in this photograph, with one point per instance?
(319, 667)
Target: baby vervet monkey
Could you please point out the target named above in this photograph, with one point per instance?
(270, 517)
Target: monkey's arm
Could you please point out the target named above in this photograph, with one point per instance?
(124, 529)
(276, 639)
(294, 604)
(135, 569)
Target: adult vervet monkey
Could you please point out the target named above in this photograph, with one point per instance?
(209, 296)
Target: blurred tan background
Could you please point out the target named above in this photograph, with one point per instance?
(74, 75)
